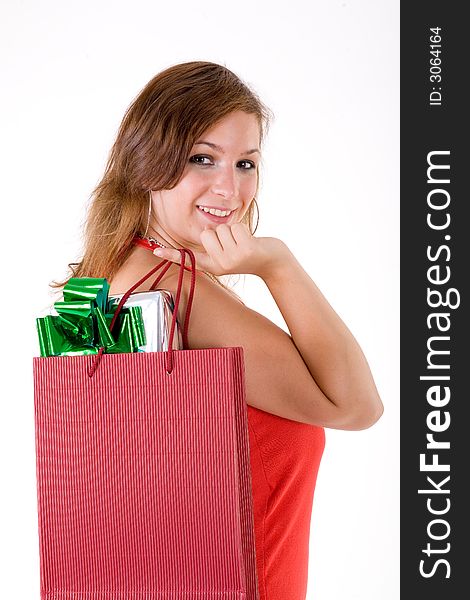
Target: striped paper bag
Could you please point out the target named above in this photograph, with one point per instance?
(143, 473)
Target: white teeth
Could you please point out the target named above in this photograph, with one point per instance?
(216, 211)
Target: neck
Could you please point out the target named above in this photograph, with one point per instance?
(162, 237)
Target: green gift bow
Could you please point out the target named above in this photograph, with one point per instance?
(83, 323)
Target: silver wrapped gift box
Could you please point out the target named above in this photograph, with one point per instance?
(157, 312)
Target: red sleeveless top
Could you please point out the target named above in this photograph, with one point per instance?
(285, 456)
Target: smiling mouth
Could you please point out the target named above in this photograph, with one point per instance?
(215, 212)
(215, 218)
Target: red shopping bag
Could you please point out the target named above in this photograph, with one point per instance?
(143, 472)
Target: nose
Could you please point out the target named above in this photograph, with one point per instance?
(225, 182)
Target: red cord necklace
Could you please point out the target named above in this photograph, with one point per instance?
(151, 243)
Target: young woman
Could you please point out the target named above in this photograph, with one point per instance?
(183, 172)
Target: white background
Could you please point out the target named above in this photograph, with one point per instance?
(330, 189)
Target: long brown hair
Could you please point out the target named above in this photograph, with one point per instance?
(151, 150)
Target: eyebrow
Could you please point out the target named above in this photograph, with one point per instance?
(220, 149)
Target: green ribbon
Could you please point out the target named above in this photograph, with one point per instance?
(82, 325)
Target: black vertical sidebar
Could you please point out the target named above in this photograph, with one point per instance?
(435, 322)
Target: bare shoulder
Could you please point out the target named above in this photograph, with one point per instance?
(139, 263)
(277, 379)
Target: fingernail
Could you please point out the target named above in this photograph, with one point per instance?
(158, 252)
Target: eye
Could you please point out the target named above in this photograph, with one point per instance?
(197, 158)
(250, 163)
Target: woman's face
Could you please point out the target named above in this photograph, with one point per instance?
(221, 174)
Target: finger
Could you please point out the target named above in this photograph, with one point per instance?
(227, 241)
(210, 241)
(202, 262)
(168, 254)
(241, 232)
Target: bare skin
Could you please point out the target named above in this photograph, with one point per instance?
(318, 373)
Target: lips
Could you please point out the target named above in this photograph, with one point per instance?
(214, 218)
(215, 207)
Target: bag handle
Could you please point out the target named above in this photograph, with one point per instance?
(166, 264)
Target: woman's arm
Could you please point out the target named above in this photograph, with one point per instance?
(318, 374)
(328, 349)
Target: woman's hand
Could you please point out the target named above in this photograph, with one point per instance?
(232, 249)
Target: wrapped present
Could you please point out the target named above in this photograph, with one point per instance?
(83, 320)
(157, 311)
